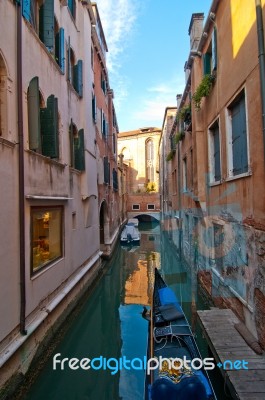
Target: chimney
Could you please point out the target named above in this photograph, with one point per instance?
(195, 30)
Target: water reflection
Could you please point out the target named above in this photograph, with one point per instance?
(110, 324)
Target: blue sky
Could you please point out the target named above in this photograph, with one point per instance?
(148, 45)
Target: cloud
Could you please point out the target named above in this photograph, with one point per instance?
(118, 19)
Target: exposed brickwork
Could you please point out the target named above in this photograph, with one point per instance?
(259, 299)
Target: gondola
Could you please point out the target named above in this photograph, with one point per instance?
(172, 339)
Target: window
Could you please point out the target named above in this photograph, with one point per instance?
(150, 207)
(75, 71)
(59, 48)
(149, 159)
(103, 83)
(214, 153)
(237, 136)
(210, 57)
(42, 122)
(106, 170)
(94, 108)
(136, 206)
(46, 236)
(104, 125)
(41, 16)
(77, 148)
(115, 179)
(184, 184)
(72, 7)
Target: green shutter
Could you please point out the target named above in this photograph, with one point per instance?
(59, 48)
(94, 108)
(206, 64)
(79, 149)
(49, 128)
(71, 144)
(214, 50)
(34, 114)
(46, 24)
(26, 9)
(69, 70)
(78, 77)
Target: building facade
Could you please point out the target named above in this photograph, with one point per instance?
(51, 169)
(139, 149)
(218, 218)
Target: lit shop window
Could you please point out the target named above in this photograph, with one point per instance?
(46, 236)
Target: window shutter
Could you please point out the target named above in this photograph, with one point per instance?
(206, 64)
(49, 128)
(69, 69)
(78, 77)
(59, 49)
(94, 108)
(34, 114)
(79, 149)
(71, 143)
(104, 127)
(214, 50)
(46, 27)
(239, 137)
(71, 6)
(106, 170)
(217, 166)
(26, 10)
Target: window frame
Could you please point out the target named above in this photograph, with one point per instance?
(211, 152)
(45, 266)
(137, 207)
(229, 144)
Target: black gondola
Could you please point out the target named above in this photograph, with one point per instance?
(172, 339)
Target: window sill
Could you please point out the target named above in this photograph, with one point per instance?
(46, 159)
(45, 269)
(234, 177)
(7, 142)
(215, 183)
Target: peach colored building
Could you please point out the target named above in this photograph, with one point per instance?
(51, 163)
(106, 126)
(217, 160)
(140, 152)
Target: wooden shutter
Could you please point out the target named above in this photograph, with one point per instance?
(59, 49)
(214, 50)
(71, 144)
(206, 64)
(49, 128)
(34, 114)
(94, 108)
(78, 77)
(26, 9)
(239, 137)
(79, 149)
(69, 69)
(46, 24)
(216, 143)
(106, 170)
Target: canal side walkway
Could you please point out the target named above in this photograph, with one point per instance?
(226, 344)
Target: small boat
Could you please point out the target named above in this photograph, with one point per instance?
(130, 235)
(172, 339)
(134, 221)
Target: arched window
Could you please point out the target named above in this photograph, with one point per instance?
(149, 160)
(43, 127)
(3, 98)
(77, 147)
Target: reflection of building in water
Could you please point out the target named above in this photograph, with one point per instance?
(140, 280)
(136, 286)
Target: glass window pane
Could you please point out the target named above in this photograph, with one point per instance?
(46, 236)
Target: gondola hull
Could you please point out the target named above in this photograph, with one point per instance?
(171, 338)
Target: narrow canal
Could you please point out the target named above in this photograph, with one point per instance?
(109, 324)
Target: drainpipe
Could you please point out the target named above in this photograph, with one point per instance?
(179, 204)
(261, 51)
(21, 173)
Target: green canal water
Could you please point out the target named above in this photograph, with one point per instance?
(108, 324)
